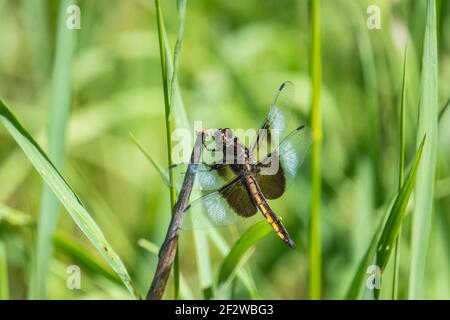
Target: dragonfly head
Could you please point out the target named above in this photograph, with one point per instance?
(223, 136)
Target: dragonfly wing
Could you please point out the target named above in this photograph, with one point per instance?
(293, 150)
(225, 206)
(208, 176)
(239, 200)
(272, 186)
(279, 168)
(276, 121)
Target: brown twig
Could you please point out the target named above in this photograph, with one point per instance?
(169, 247)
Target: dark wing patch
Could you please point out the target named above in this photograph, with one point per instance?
(223, 170)
(272, 186)
(238, 199)
(289, 155)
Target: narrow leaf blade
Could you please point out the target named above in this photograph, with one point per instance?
(65, 194)
(4, 279)
(164, 175)
(428, 124)
(397, 214)
(255, 233)
(384, 230)
(82, 257)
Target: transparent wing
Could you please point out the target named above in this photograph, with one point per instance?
(293, 150)
(276, 122)
(208, 176)
(280, 167)
(231, 204)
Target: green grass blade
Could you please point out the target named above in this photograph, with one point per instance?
(36, 22)
(4, 278)
(244, 275)
(386, 232)
(442, 112)
(164, 54)
(401, 170)
(181, 6)
(163, 174)
(370, 75)
(59, 114)
(167, 108)
(402, 127)
(428, 117)
(14, 217)
(255, 233)
(166, 90)
(203, 264)
(84, 128)
(64, 193)
(149, 246)
(80, 255)
(354, 290)
(315, 263)
(174, 109)
(176, 116)
(397, 214)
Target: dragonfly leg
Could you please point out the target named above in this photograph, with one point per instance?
(215, 166)
(208, 149)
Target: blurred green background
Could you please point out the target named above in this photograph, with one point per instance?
(234, 56)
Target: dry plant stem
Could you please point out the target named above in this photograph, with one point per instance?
(169, 247)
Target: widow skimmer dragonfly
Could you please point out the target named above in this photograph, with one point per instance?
(240, 184)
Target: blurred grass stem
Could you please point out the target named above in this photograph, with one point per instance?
(400, 178)
(315, 264)
(59, 115)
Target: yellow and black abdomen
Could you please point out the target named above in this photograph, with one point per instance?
(261, 203)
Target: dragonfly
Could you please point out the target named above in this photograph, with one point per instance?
(242, 179)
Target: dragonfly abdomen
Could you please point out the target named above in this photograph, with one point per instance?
(261, 203)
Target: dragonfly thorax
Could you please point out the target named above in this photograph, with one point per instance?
(234, 153)
(223, 137)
